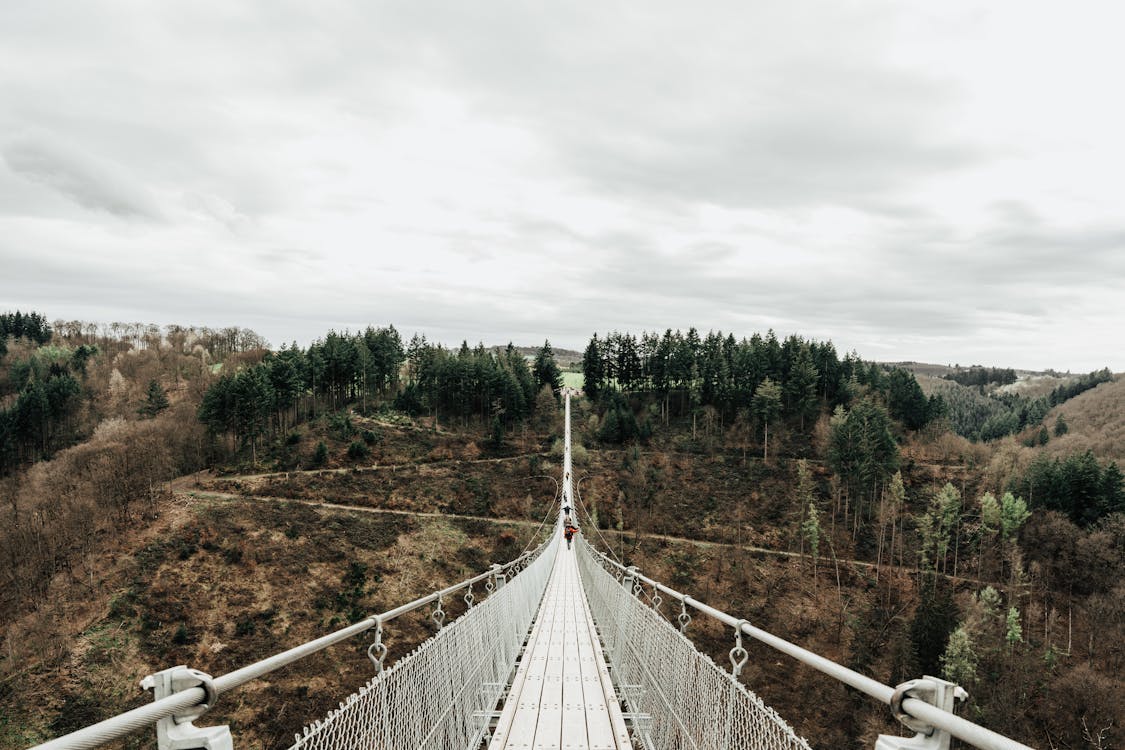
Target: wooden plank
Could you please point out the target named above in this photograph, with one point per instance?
(562, 697)
(619, 733)
(575, 733)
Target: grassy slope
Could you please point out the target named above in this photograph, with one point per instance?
(1096, 421)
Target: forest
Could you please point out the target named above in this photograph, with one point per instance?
(827, 496)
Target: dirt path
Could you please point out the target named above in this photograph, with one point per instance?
(825, 560)
(371, 468)
(212, 495)
(861, 564)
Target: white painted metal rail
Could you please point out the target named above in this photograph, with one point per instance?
(928, 719)
(196, 692)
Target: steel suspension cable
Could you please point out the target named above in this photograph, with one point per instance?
(535, 534)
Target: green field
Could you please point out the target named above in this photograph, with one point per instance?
(573, 380)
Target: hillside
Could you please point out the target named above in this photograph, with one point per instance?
(218, 584)
(1095, 421)
(367, 489)
(566, 358)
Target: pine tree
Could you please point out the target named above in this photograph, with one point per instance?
(1014, 632)
(810, 531)
(959, 662)
(934, 620)
(896, 499)
(593, 369)
(156, 400)
(767, 405)
(497, 437)
(800, 388)
(1061, 427)
(546, 410)
(1013, 512)
(546, 370)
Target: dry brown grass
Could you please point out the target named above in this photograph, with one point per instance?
(1096, 420)
(220, 584)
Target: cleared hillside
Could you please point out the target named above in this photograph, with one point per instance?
(1095, 421)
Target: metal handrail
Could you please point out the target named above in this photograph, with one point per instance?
(963, 729)
(128, 722)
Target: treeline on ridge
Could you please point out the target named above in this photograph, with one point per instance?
(687, 372)
(290, 385)
(983, 376)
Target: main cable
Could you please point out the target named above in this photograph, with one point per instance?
(609, 547)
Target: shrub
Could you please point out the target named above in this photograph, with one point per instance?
(181, 636)
(358, 449)
(293, 438)
(341, 425)
(369, 437)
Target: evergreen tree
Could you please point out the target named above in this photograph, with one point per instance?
(800, 389)
(1061, 427)
(1013, 512)
(938, 526)
(934, 620)
(593, 369)
(1013, 633)
(959, 662)
(546, 371)
(497, 438)
(905, 399)
(989, 513)
(861, 449)
(546, 410)
(767, 405)
(156, 400)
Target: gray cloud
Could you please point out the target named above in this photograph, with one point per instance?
(494, 171)
(81, 178)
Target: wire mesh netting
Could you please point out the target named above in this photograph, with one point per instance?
(443, 693)
(677, 696)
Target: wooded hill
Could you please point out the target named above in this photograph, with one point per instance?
(826, 498)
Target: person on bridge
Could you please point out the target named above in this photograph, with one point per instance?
(569, 530)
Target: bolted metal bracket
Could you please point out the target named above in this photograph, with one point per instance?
(629, 582)
(498, 576)
(176, 732)
(934, 691)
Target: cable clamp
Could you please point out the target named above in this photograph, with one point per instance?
(941, 693)
(176, 732)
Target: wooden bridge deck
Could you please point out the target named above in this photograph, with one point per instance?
(561, 695)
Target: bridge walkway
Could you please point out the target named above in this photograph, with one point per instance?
(561, 695)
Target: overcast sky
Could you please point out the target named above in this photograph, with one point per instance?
(935, 181)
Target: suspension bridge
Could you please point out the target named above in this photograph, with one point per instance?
(567, 648)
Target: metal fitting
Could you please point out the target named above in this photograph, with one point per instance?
(941, 693)
(176, 732)
(738, 655)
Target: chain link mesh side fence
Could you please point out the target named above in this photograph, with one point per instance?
(442, 695)
(677, 697)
